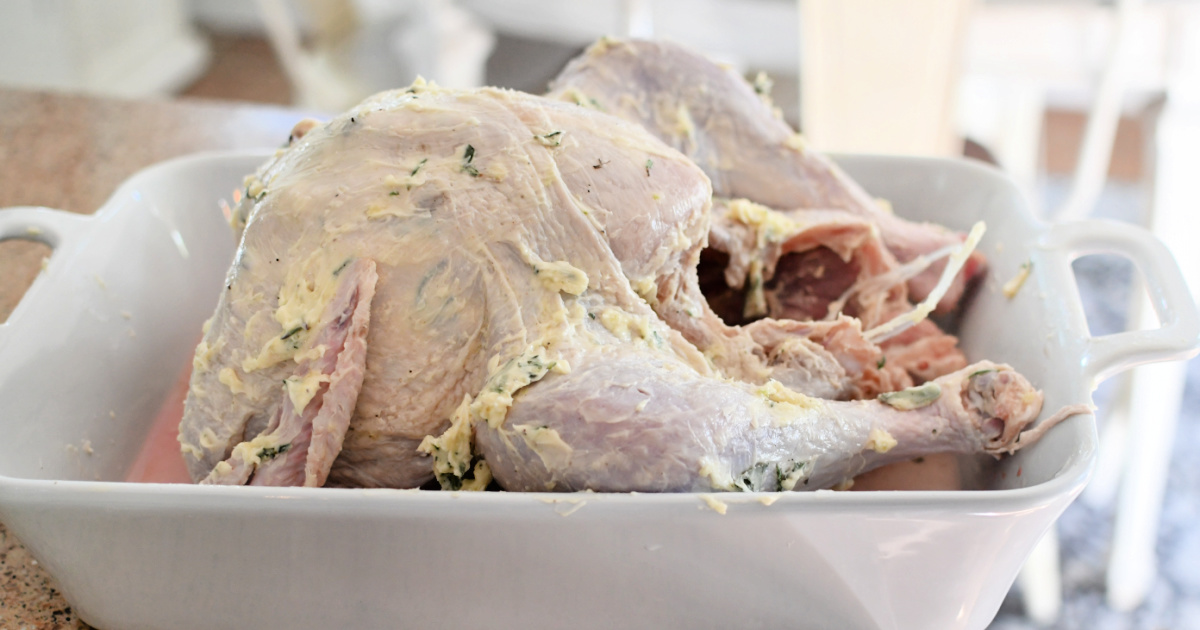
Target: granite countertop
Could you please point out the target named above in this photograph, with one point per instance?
(71, 152)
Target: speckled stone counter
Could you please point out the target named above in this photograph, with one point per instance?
(70, 153)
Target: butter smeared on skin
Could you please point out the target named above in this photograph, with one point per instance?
(769, 225)
(601, 46)
(880, 441)
(208, 439)
(789, 474)
(496, 171)
(718, 474)
(261, 449)
(493, 402)
(230, 379)
(558, 276)
(629, 327)
(202, 359)
(787, 405)
(187, 448)
(547, 444)
(312, 354)
(416, 176)
(646, 288)
(561, 276)
(796, 143)
(551, 139)
(913, 397)
(617, 322)
(481, 476)
(684, 125)
(575, 95)
(304, 295)
(453, 450)
(777, 392)
(255, 189)
(307, 291)
(302, 389)
(277, 350)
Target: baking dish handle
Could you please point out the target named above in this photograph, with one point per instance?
(1178, 335)
(61, 230)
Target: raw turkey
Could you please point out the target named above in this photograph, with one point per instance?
(484, 284)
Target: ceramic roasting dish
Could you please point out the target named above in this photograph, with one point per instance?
(95, 345)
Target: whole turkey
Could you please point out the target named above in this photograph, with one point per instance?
(486, 285)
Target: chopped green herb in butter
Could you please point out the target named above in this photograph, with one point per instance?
(913, 397)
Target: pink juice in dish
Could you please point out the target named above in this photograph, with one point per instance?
(160, 460)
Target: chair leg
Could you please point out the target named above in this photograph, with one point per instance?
(1041, 581)
(1105, 483)
(1096, 151)
(1155, 401)
(1113, 455)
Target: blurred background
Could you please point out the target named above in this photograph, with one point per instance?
(1093, 107)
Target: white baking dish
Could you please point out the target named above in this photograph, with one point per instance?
(89, 354)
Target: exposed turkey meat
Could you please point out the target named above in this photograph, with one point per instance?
(495, 267)
(817, 264)
(825, 252)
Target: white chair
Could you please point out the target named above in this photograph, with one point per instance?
(364, 46)
(121, 48)
(881, 77)
(1156, 391)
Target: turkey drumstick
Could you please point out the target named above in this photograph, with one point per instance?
(624, 423)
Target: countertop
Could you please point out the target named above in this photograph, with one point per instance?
(71, 152)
